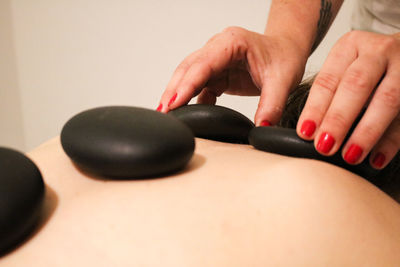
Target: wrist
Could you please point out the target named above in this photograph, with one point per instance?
(302, 46)
(303, 22)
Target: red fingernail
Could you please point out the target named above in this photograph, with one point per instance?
(159, 107)
(379, 159)
(172, 100)
(265, 123)
(308, 128)
(325, 143)
(353, 154)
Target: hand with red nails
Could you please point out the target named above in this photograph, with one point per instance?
(361, 71)
(239, 62)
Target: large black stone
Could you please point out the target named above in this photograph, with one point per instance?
(21, 197)
(215, 122)
(285, 141)
(127, 142)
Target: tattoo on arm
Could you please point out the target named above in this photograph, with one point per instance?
(325, 15)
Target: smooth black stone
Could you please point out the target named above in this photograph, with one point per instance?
(285, 141)
(124, 142)
(21, 197)
(215, 122)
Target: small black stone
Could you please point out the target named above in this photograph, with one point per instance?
(215, 122)
(21, 197)
(285, 141)
(124, 142)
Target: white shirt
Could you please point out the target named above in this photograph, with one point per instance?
(381, 16)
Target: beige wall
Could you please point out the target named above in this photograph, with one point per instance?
(11, 124)
(76, 54)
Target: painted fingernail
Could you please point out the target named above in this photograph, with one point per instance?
(325, 143)
(308, 128)
(265, 123)
(379, 159)
(172, 100)
(159, 107)
(353, 154)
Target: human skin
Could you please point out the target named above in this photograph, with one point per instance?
(362, 70)
(231, 206)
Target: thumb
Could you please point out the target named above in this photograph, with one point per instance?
(274, 94)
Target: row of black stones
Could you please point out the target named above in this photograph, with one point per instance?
(122, 142)
(129, 142)
(224, 124)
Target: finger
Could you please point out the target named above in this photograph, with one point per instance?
(353, 91)
(194, 80)
(213, 59)
(323, 89)
(241, 83)
(234, 81)
(207, 96)
(382, 110)
(387, 147)
(177, 76)
(273, 97)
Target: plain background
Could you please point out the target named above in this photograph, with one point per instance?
(60, 57)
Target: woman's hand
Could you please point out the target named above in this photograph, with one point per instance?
(239, 62)
(362, 70)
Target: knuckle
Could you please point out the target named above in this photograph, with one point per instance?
(336, 120)
(189, 86)
(237, 41)
(390, 97)
(235, 34)
(327, 82)
(356, 81)
(339, 52)
(386, 43)
(369, 133)
(182, 66)
(233, 30)
(352, 36)
(315, 110)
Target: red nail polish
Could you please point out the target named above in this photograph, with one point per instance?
(172, 100)
(265, 123)
(159, 107)
(308, 128)
(379, 159)
(353, 154)
(325, 143)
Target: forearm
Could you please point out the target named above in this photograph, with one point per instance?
(306, 22)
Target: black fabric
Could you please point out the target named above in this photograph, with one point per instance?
(21, 197)
(285, 141)
(215, 122)
(124, 142)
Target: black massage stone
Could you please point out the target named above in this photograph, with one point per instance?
(21, 197)
(124, 142)
(215, 122)
(285, 141)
